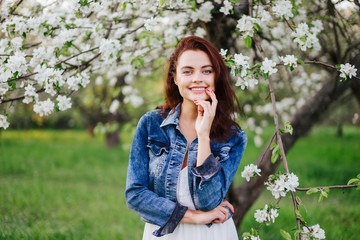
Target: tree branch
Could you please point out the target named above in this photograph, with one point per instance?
(330, 187)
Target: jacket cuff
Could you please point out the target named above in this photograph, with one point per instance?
(172, 222)
(210, 168)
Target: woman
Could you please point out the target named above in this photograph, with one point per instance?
(185, 154)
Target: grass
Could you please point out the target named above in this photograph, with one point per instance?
(66, 185)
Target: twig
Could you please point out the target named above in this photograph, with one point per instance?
(276, 121)
(330, 187)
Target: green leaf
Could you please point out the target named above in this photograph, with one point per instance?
(162, 2)
(312, 190)
(301, 62)
(353, 180)
(248, 41)
(257, 28)
(273, 145)
(285, 234)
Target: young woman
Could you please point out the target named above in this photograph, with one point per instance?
(185, 154)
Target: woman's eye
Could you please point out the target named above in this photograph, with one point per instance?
(207, 71)
(186, 72)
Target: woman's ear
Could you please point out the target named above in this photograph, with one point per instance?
(175, 81)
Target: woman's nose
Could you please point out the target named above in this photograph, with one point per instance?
(197, 77)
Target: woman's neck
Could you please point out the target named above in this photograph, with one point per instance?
(188, 111)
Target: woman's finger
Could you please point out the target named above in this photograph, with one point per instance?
(213, 99)
(229, 205)
(206, 105)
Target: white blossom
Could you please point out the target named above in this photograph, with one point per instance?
(223, 52)
(283, 8)
(226, 8)
(246, 82)
(347, 70)
(246, 25)
(313, 232)
(108, 49)
(258, 141)
(289, 60)
(150, 23)
(268, 66)
(200, 32)
(17, 63)
(63, 102)
(44, 108)
(241, 60)
(250, 171)
(280, 185)
(114, 106)
(3, 122)
(16, 43)
(203, 13)
(266, 214)
(30, 94)
(4, 87)
(317, 26)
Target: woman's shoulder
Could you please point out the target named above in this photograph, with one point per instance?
(239, 136)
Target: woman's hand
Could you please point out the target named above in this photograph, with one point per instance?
(206, 114)
(204, 120)
(218, 215)
(222, 207)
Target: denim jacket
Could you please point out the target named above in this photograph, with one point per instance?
(156, 157)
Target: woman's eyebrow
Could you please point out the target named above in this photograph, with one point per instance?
(205, 66)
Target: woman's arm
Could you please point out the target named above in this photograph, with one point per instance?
(213, 176)
(151, 207)
(218, 215)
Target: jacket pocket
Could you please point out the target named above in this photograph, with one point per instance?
(158, 153)
(222, 154)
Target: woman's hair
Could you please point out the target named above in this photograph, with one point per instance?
(221, 128)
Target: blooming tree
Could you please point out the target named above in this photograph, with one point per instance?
(51, 49)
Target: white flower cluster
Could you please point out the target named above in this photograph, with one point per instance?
(226, 8)
(203, 13)
(132, 96)
(250, 171)
(283, 9)
(251, 237)
(306, 37)
(150, 23)
(63, 102)
(268, 66)
(44, 108)
(347, 71)
(279, 185)
(289, 61)
(266, 214)
(313, 233)
(3, 122)
(246, 26)
(108, 49)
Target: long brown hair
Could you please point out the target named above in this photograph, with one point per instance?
(223, 123)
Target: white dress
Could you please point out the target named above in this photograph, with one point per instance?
(184, 231)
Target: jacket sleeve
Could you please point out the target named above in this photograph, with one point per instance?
(151, 207)
(212, 179)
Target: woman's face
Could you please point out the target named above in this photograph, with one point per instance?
(194, 74)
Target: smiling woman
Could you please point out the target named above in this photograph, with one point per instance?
(185, 154)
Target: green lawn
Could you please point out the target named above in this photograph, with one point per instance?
(66, 185)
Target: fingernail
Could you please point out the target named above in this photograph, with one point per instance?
(208, 90)
(213, 91)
